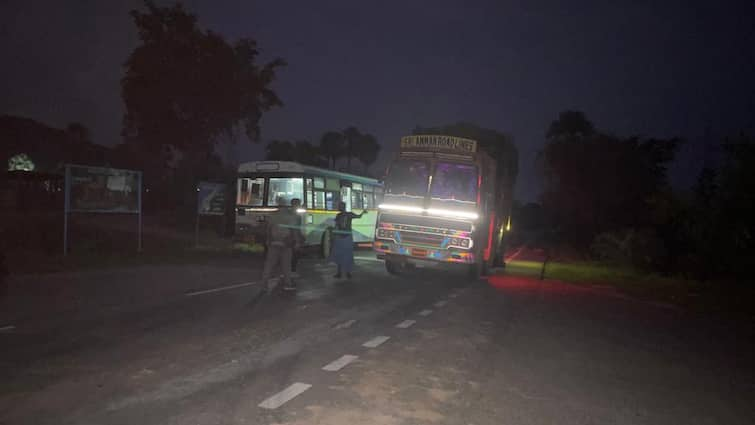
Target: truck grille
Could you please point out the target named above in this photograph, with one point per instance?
(422, 239)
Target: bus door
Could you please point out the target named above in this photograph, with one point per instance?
(346, 197)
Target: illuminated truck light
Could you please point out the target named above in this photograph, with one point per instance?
(406, 208)
(431, 211)
(451, 213)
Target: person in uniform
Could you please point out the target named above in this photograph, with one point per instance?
(282, 229)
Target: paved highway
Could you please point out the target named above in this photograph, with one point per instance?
(193, 345)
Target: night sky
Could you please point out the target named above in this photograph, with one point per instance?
(636, 67)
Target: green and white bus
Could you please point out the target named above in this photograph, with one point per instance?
(264, 186)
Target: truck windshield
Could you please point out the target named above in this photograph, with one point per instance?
(408, 177)
(455, 182)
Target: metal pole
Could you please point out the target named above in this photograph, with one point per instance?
(66, 206)
(196, 226)
(139, 205)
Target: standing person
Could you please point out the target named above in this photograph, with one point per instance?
(343, 241)
(281, 238)
(299, 242)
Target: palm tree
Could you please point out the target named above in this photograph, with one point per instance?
(331, 146)
(368, 150)
(352, 137)
(279, 150)
(307, 153)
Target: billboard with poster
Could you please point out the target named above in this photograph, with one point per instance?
(103, 190)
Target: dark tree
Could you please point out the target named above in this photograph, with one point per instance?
(332, 146)
(309, 154)
(279, 150)
(573, 125)
(187, 87)
(368, 150)
(351, 136)
(595, 182)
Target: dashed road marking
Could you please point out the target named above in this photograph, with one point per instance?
(440, 304)
(340, 363)
(285, 396)
(454, 295)
(7, 328)
(368, 259)
(375, 342)
(425, 312)
(222, 288)
(406, 323)
(346, 324)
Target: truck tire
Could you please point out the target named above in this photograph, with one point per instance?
(474, 271)
(393, 267)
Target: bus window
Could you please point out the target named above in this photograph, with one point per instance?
(310, 195)
(319, 200)
(367, 201)
(357, 201)
(378, 195)
(282, 190)
(319, 183)
(250, 192)
(330, 201)
(332, 184)
(346, 197)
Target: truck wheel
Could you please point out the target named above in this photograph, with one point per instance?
(326, 244)
(474, 271)
(392, 267)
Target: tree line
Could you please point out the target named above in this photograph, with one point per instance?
(348, 144)
(609, 197)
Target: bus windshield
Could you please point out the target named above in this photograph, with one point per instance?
(408, 177)
(454, 182)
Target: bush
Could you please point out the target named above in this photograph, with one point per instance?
(641, 249)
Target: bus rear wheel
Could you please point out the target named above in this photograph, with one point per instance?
(326, 244)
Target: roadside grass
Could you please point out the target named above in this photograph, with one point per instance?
(712, 297)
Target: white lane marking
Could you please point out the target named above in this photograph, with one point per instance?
(222, 288)
(346, 324)
(440, 304)
(7, 328)
(425, 312)
(453, 295)
(368, 259)
(285, 396)
(406, 323)
(340, 363)
(375, 342)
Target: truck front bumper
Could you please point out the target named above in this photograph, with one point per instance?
(385, 248)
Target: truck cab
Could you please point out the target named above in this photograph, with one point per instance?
(439, 204)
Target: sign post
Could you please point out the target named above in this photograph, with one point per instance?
(210, 201)
(102, 190)
(66, 208)
(139, 206)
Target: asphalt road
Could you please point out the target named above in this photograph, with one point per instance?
(192, 345)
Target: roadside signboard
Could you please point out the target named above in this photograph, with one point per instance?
(102, 190)
(211, 198)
